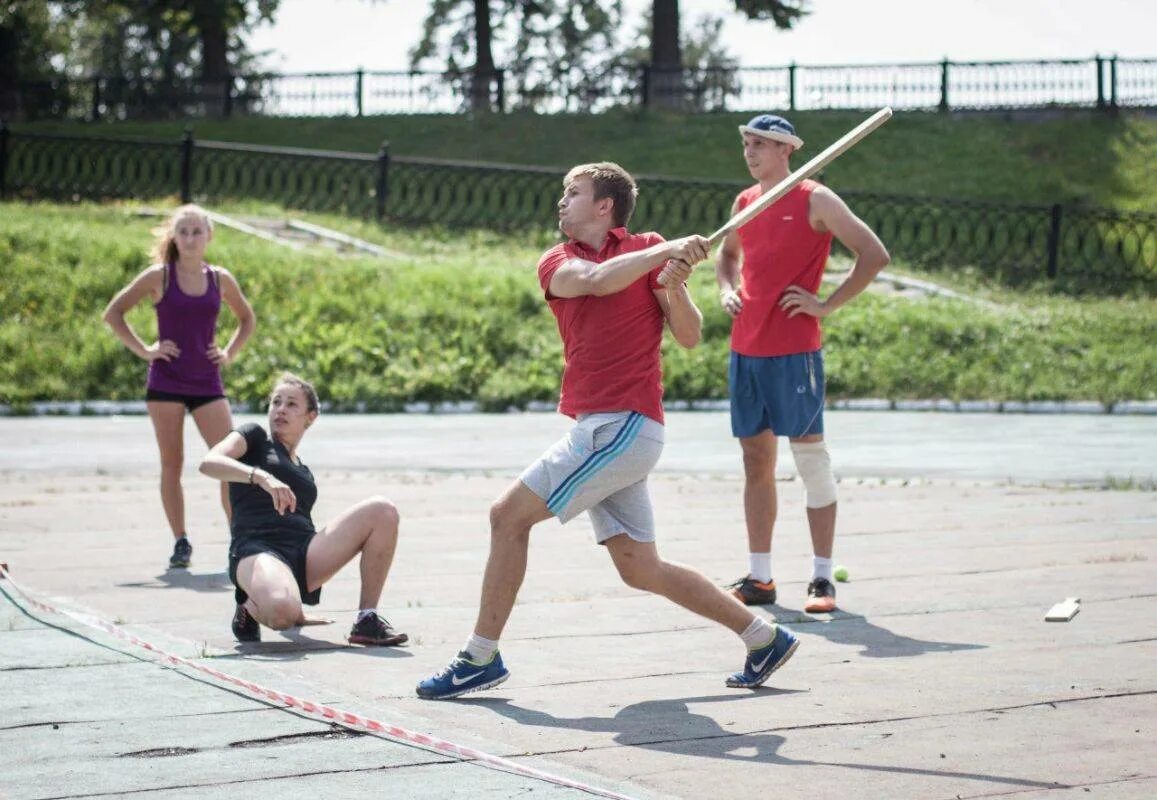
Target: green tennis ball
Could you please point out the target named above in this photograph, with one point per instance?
(841, 574)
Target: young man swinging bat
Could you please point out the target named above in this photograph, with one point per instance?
(603, 286)
(769, 273)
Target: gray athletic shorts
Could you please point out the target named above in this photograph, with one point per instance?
(601, 466)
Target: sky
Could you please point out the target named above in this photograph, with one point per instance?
(342, 35)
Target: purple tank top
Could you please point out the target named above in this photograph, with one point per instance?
(191, 322)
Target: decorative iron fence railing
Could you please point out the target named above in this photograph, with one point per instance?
(1071, 248)
(1103, 83)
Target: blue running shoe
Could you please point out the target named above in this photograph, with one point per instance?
(766, 660)
(462, 676)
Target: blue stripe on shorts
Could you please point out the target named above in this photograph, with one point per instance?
(783, 394)
(597, 460)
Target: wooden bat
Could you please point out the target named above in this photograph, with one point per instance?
(833, 151)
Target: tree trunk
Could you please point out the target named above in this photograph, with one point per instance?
(665, 89)
(9, 72)
(214, 59)
(484, 63)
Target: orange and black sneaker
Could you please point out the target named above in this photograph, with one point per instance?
(374, 631)
(751, 592)
(821, 596)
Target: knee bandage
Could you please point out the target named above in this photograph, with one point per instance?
(815, 470)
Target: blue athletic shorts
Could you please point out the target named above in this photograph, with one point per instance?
(783, 394)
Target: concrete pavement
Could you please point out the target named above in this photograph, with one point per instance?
(937, 679)
(1013, 448)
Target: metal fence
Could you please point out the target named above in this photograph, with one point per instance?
(1071, 248)
(1103, 83)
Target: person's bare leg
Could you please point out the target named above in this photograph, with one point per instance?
(511, 518)
(821, 521)
(274, 599)
(759, 494)
(169, 426)
(214, 421)
(640, 567)
(370, 528)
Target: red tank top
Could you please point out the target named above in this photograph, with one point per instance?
(780, 249)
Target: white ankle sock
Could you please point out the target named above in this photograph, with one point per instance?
(365, 612)
(821, 568)
(759, 566)
(480, 649)
(758, 633)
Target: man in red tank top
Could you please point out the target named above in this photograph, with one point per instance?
(769, 273)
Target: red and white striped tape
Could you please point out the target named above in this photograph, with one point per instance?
(346, 718)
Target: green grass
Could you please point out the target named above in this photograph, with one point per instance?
(461, 318)
(1041, 157)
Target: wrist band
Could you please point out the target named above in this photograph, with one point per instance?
(252, 472)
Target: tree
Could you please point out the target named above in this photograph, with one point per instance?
(218, 26)
(484, 63)
(552, 48)
(161, 56)
(568, 52)
(175, 56)
(784, 13)
(666, 87)
(573, 50)
(31, 39)
(666, 54)
(134, 59)
(471, 38)
(705, 75)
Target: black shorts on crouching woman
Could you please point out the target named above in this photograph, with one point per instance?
(290, 548)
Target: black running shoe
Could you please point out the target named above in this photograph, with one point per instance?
(245, 628)
(751, 592)
(182, 554)
(373, 630)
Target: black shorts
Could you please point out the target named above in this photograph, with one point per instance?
(290, 548)
(191, 401)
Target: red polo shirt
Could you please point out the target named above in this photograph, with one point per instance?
(611, 343)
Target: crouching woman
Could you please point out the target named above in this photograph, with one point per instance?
(278, 560)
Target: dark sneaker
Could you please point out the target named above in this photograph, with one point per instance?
(462, 676)
(245, 628)
(373, 630)
(751, 592)
(821, 596)
(182, 554)
(765, 660)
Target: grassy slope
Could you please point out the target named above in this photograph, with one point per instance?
(462, 318)
(1068, 157)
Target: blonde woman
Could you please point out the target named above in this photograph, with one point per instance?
(185, 362)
